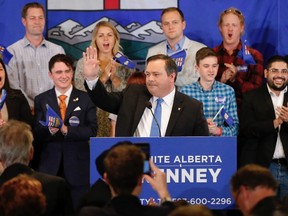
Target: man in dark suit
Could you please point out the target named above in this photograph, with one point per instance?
(254, 191)
(16, 150)
(65, 150)
(264, 123)
(181, 115)
(124, 174)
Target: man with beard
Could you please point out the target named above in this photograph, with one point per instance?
(264, 123)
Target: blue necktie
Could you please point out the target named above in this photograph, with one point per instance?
(157, 113)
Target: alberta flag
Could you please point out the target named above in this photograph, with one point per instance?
(123, 60)
(245, 54)
(227, 118)
(52, 119)
(179, 59)
(5, 54)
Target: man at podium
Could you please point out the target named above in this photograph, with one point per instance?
(156, 109)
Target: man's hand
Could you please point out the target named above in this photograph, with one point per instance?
(90, 63)
(231, 68)
(157, 181)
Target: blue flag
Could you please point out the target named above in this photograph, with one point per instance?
(227, 118)
(179, 59)
(3, 98)
(52, 119)
(245, 54)
(123, 60)
(5, 54)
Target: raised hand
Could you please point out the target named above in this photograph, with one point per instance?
(90, 63)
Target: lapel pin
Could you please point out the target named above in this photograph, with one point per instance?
(75, 99)
(179, 108)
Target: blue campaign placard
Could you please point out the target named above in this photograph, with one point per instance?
(198, 169)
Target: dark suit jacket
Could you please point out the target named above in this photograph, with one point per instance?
(270, 206)
(257, 130)
(18, 107)
(74, 147)
(127, 206)
(187, 118)
(54, 188)
(98, 195)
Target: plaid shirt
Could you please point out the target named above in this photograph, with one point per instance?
(245, 81)
(225, 95)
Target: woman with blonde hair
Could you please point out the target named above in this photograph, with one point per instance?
(114, 76)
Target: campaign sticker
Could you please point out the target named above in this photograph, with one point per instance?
(74, 121)
(220, 100)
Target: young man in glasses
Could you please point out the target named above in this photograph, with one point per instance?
(264, 123)
(240, 66)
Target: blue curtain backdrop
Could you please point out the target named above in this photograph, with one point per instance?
(70, 23)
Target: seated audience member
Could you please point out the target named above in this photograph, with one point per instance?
(240, 66)
(65, 149)
(99, 194)
(177, 114)
(263, 123)
(191, 210)
(254, 191)
(16, 151)
(215, 96)
(22, 196)
(16, 105)
(113, 75)
(28, 69)
(173, 25)
(123, 166)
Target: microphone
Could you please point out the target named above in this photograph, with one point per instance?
(149, 106)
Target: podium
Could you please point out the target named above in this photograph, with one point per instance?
(198, 169)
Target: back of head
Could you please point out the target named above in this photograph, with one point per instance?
(15, 143)
(252, 176)
(137, 78)
(192, 210)
(124, 166)
(22, 196)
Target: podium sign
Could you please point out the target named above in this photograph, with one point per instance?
(198, 169)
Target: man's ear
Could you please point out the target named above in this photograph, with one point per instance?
(106, 178)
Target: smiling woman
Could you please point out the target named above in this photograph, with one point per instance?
(15, 106)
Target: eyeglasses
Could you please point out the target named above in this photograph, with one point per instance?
(277, 71)
(232, 11)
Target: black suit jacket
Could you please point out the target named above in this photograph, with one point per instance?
(257, 130)
(269, 206)
(74, 147)
(127, 205)
(54, 188)
(18, 107)
(186, 119)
